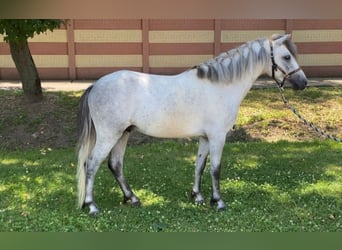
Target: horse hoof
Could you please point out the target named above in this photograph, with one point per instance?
(196, 197)
(199, 202)
(221, 206)
(136, 204)
(94, 211)
(221, 209)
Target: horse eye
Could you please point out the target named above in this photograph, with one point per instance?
(287, 58)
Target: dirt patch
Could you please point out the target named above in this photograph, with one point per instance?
(49, 123)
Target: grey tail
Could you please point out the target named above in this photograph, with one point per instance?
(86, 142)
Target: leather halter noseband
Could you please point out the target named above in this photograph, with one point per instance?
(275, 67)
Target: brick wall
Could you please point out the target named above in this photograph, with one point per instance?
(88, 49)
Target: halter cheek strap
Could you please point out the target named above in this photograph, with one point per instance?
(275, 67)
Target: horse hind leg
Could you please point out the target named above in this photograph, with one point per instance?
(216, 148)
(99, 153)
(115, 164)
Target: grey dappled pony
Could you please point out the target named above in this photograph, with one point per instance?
(200, 102)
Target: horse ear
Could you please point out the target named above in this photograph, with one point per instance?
(281, 39)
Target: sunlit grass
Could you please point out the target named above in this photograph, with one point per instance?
(324, 188)
(282, 186)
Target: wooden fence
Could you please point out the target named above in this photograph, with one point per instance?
(88, 49)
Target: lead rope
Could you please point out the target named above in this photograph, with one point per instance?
(306, 122)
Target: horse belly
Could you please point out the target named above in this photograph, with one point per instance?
(170, 126)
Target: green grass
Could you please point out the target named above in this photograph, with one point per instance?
(263, 114)
(279, 186)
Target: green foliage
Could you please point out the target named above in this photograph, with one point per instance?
(21, 29)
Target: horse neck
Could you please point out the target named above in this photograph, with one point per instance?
(264, 58)
(261, 66)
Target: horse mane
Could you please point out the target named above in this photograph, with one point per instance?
(231, 65)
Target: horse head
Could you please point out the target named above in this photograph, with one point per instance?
(284, 66)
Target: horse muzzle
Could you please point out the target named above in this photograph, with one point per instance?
(298, 80)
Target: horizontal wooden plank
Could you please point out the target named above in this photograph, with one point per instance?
(53, 73)
(181, 24)
(58, 35)
(316, 24)
(181, 36)
(167, 70)
(108, 48)
(48, 48)
(95, 36)
(9, 73)
(332, 35)
(107, 24)
(39, 49)
(228, 46)
(319, 48)
(177, 60)
(49, 61)
(181, 48)
(322, 71)
(242, 36)
(95, 73)
(253, 24)
(44, 73)
(4, 49)
(108, 61)
(320, 59)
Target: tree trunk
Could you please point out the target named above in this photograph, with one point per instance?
(27, 70)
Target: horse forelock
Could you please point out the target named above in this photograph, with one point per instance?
(291, 47)
(233, 64)
(288, 44)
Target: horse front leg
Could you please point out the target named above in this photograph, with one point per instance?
(216, 148)
(202, 154)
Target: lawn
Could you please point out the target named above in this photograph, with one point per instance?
(276, 176)
(279, 186)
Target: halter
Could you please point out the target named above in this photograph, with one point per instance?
(275, 67)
